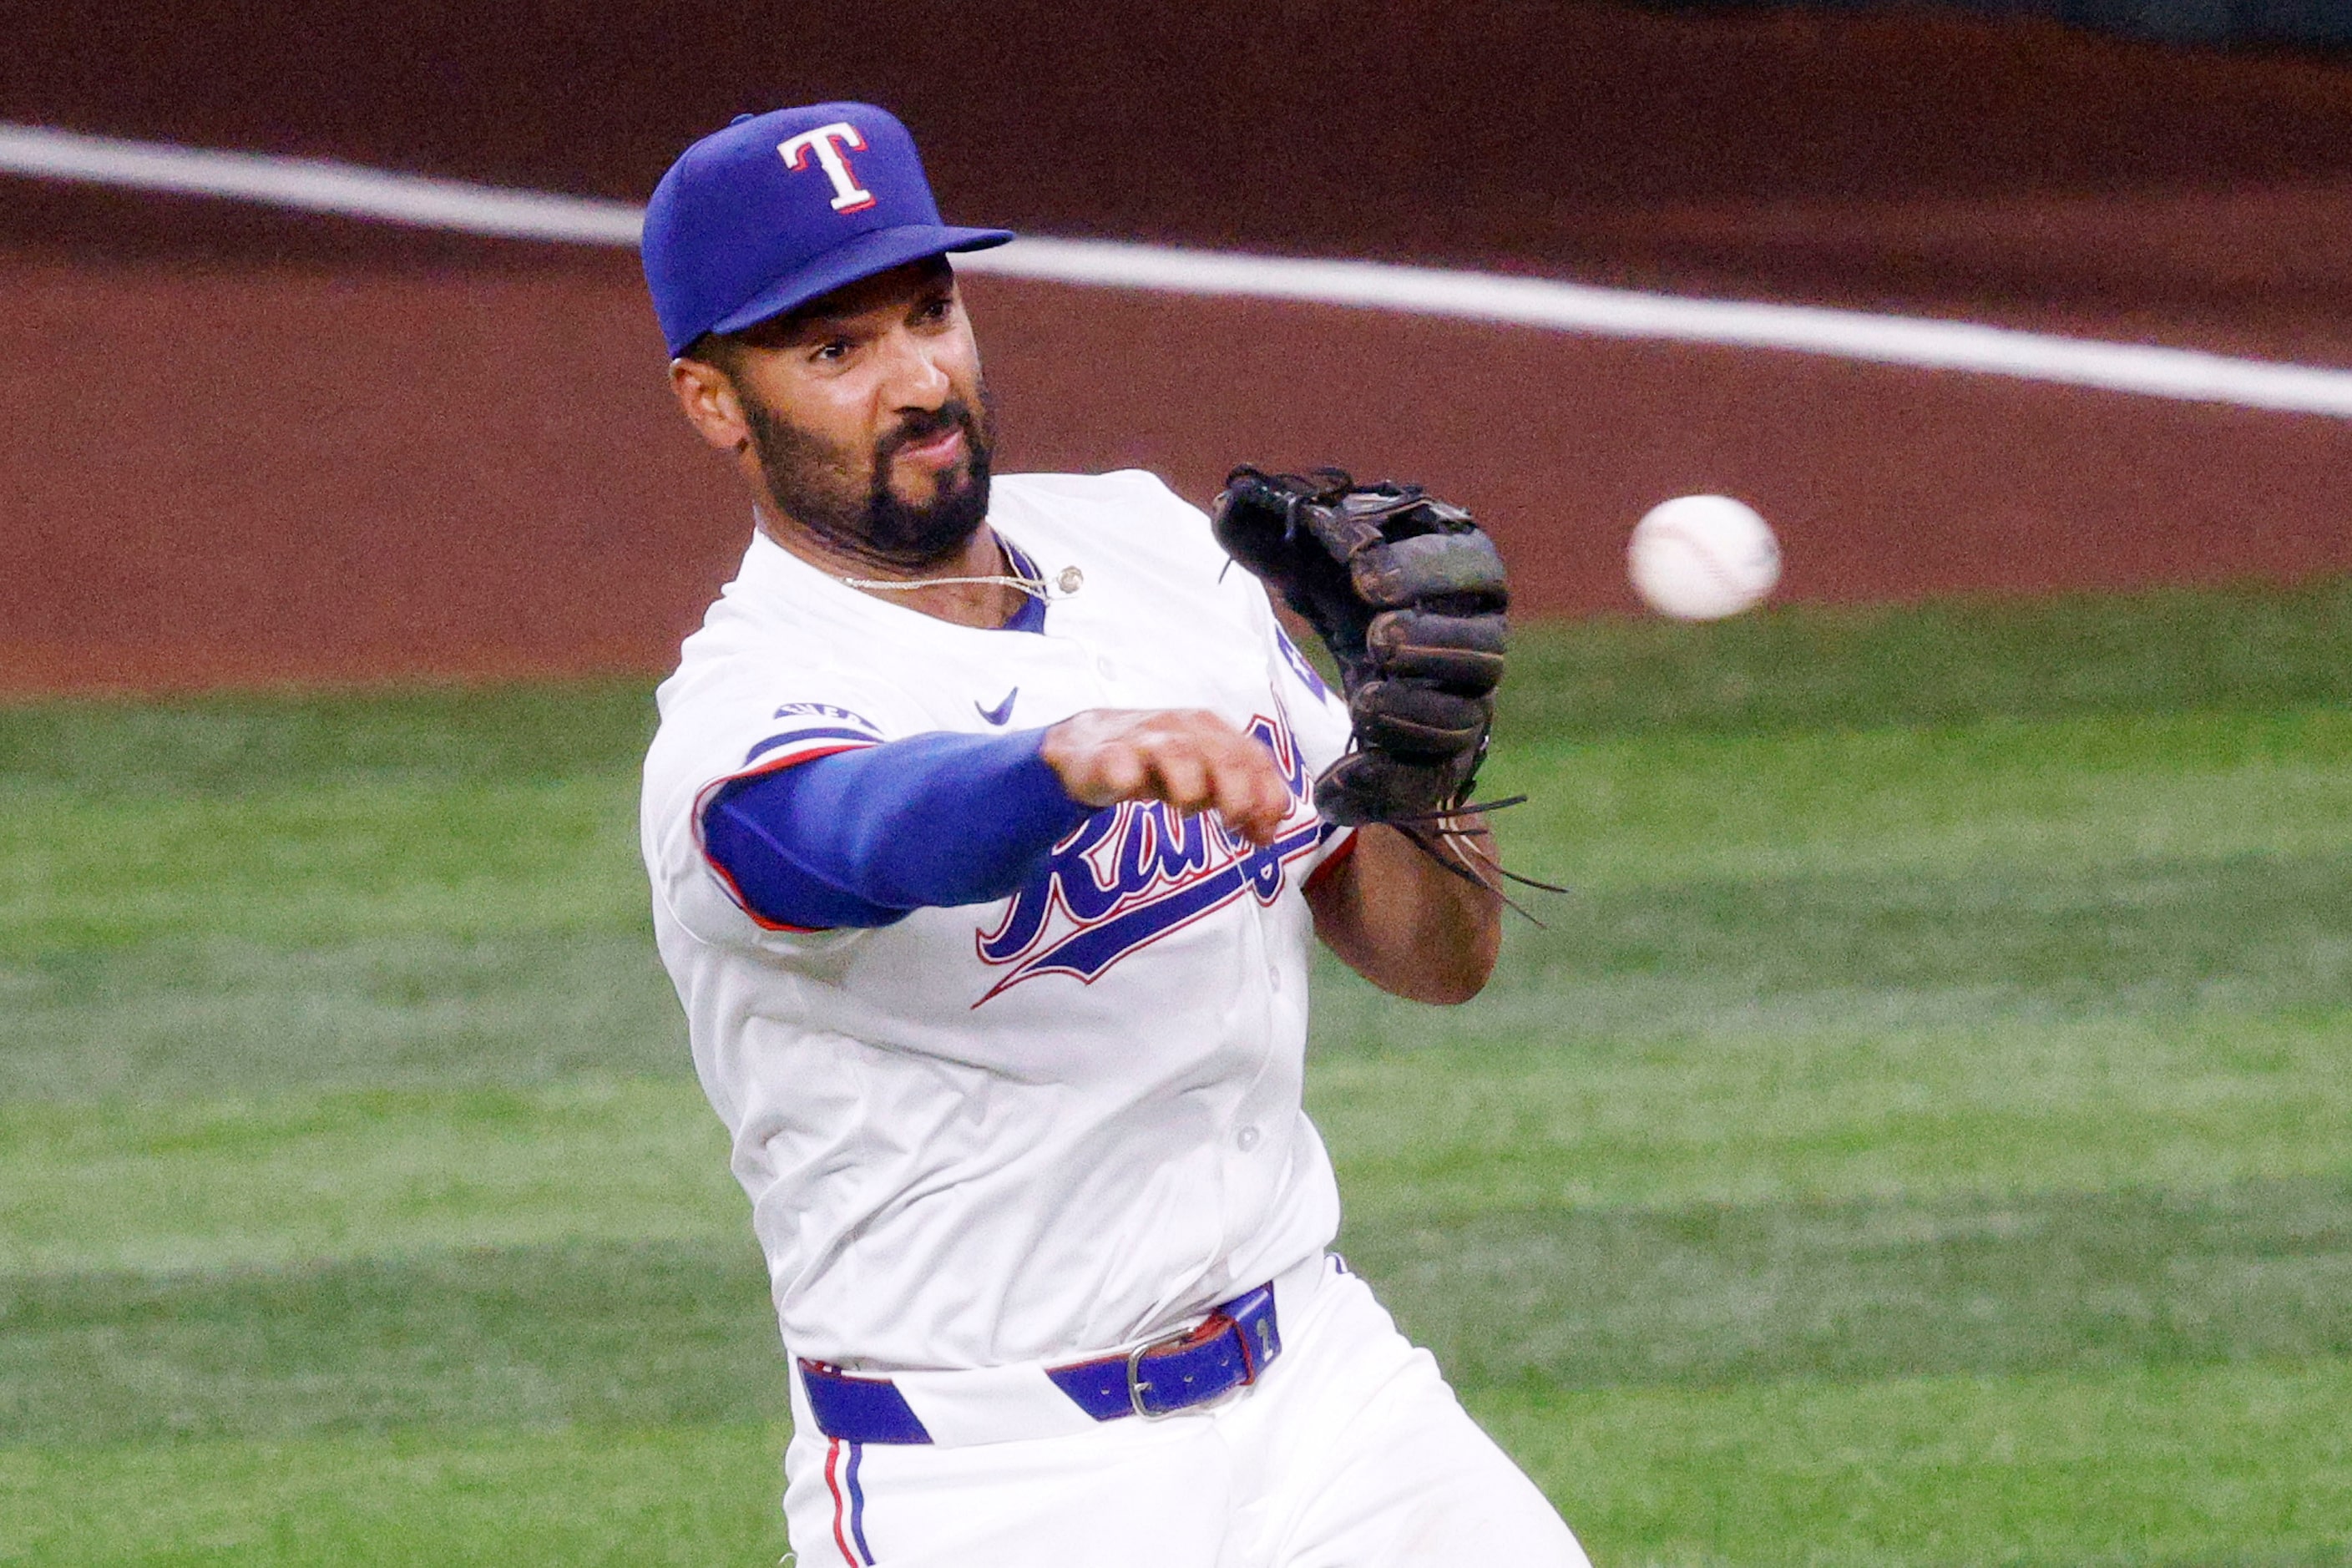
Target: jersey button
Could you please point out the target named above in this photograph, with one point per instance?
(1274, 977)
(1246, 1138)
(1106, 668)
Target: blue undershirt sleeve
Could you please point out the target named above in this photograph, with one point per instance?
(862, 837)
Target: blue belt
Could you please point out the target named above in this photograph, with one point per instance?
(1227, 1350)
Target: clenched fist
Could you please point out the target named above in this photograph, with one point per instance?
(1187, 758)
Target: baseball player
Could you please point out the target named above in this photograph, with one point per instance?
(988, 822)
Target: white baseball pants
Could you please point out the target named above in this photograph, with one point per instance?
(1349, 1452)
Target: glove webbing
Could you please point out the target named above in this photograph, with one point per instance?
(1471, 863)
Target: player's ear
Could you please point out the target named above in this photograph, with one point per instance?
(707, 395)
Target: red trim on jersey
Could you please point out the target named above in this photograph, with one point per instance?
(840, 1508)
(710, 792)
(1332, 862)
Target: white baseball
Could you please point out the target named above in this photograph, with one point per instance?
(1700, 558)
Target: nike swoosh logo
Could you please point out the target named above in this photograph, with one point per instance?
(1001, 711)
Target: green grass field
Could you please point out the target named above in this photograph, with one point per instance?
(1923, 1136)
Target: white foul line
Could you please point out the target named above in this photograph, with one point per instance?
(2184, 374)
(317, 185)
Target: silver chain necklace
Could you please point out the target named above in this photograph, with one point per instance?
(1065, 582)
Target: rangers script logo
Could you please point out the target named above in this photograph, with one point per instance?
(1134, 872)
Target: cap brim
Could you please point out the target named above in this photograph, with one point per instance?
(877, 251)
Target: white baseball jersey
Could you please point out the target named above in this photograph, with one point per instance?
(1049, 1125)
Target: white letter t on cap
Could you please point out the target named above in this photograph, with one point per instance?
(846, 195)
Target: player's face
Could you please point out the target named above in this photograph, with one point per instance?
(869, 418)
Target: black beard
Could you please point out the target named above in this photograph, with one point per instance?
(809, 482)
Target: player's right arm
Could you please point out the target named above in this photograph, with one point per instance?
(861, 837)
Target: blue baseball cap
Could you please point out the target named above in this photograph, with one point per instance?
(778, 209)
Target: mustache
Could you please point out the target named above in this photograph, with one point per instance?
(955, 413)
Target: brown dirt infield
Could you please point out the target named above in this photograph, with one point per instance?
(242, 448)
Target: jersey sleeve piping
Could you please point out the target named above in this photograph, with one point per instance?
(799, 747)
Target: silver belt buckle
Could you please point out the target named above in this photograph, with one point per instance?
(1136, 1385)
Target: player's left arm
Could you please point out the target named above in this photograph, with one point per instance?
(1397, 917)
(1407, 595)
